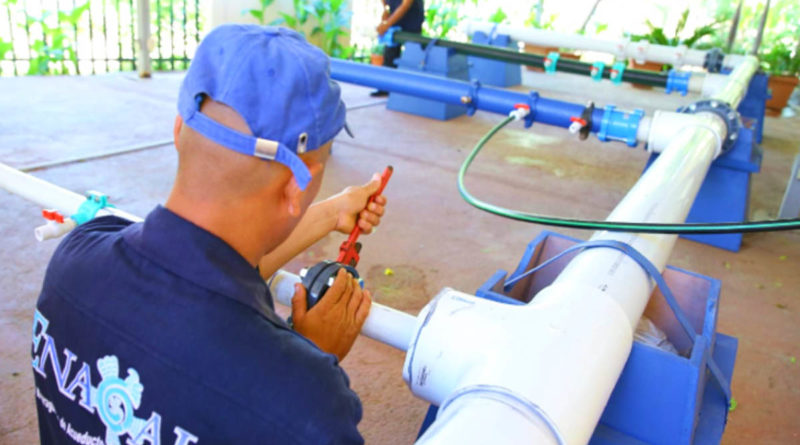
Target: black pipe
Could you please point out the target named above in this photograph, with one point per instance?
(642, 77)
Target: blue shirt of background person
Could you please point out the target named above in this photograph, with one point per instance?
(164, 332)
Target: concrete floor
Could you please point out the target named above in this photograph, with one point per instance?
(430, 237)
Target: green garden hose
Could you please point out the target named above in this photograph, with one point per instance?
(699, 228)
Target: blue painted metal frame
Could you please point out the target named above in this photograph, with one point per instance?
(660, 398)
(436, 60)
(451, 91)
(494, 72)
(754, 104)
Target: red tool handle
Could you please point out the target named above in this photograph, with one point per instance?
(348, 251)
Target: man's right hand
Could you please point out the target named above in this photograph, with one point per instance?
(336, 320)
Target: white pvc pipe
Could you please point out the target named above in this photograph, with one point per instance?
(738, 81)
(659, 130)
(49, 196)
(544, 372)
(622, 48)
(383, 324)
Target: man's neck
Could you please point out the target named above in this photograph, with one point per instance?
(238, 223)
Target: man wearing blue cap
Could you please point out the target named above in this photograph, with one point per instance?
(164, 331)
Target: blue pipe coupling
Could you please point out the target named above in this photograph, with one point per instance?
(678, 81)
(618, 125)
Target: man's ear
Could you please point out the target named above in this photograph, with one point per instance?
(176, 129)
(294, 196)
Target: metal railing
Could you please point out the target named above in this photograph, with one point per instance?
(96, 36)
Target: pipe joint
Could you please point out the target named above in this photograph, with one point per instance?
(713, 60)
(618, 125)
(726, 113)
(678, 81)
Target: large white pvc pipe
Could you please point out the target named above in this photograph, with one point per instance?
(545, 372)
(621, 48)
(659, 130)
(384, 324)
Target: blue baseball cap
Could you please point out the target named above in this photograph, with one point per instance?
(279, 83)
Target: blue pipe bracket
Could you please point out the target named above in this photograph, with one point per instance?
(597, 71)
(551, 62)
(617, 125)
(95, 201)
(617, 70)
(678, 81)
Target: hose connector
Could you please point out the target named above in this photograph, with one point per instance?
(520, 111)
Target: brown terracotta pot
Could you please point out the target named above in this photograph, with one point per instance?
(538, 50)
(781, 87)
(570, 56)
(376, 59)
(646, 66)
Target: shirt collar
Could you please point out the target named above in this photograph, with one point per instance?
(201, 257)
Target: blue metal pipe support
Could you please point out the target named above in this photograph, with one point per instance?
(471, 95)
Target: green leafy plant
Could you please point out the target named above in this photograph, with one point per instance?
(782, 58)
(260, 13)
(547, 24)
(332, 18)
(442, 17)
(658, 36)
(295, 20)
(5, 48)
(499, 16)
(50, 53)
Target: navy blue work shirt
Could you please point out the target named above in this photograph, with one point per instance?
(161, 333)
(412, 20)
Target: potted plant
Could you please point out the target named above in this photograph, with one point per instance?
(376, 55)
(782, 62)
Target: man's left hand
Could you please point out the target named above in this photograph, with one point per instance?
(349, 207)
(382, 28)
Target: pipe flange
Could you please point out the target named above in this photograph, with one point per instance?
(728, 115)
(318, 279)
(713, 60)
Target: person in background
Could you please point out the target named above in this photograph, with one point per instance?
(408, 15)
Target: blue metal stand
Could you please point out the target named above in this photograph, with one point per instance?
(494, 72)
(660, 398)
(434, 60)
(724, 195)
(753, 105)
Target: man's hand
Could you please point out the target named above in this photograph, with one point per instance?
(383, 27)
(349, 207)
(336, 320)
